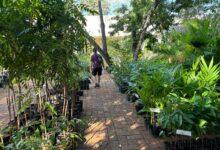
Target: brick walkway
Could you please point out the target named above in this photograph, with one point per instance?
(113, 123)
(4, 116)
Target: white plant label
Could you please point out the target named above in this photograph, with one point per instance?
(156, 110)
(136, 95)
(183, 132)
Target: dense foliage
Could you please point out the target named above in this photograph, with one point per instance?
(180, 81)
(187, 98)
(195, 38)
(145, 20)
(120, 49)
(40, 43)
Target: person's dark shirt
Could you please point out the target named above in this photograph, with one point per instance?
(95, 59)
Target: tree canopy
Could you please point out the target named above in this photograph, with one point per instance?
(146, 19)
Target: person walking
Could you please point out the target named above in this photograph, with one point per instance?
(96, 67)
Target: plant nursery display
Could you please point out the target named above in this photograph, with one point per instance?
(165, 59)
(178, 95)
(40, 45)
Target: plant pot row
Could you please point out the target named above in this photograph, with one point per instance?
(193, 144)
(84, 84)
(78, 109)
(178, 144)
(150, 118)
(151, 124)
(32, 112)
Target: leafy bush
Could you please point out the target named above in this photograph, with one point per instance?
(193, 102)
(187, 97)
(120, 49)
(193, 39)
(55, 134)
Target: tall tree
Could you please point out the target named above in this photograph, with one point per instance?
(102, 8)
(147, 18)
(93, 4)
(94, 44)
(102, 24)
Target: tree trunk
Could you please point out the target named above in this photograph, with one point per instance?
(9, 103)
(145, 24)
(134, 44)
(135, 55)
(104, 43)
(65, 99)
(93, 42)
(13, 98)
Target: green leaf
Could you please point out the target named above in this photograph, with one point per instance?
(75, 136)
(43, 127)
(188, 119)
(51, 108)
(180, 120)
(37, 133)
(202, 123)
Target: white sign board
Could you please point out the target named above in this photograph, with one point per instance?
(183, 132)
(156, 110)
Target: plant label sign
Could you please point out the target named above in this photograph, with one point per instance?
(136, 95)
(155, 110)
(183, 132)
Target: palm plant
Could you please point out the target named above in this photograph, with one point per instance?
(155, 84)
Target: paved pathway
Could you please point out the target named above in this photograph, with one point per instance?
(4, 116)
(113, 123)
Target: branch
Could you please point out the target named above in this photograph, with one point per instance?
(146, 24)
(93, 42)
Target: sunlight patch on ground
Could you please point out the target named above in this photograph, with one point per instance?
(129, 114)
(117, 102)
(135, 126)
(96, 133)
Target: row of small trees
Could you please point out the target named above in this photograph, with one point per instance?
(40, 42)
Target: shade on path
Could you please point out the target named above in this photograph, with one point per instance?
(113, 122)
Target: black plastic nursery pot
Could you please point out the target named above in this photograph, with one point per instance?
(84, 84)
(79, 105)
(80, 93)
(123, 88)
(152, 125)
(206, 143)
(155, 130)
(7, 138)
(32, 111)
(139, 106)
(1, 85)
(134, 97)
(76, 114)
(147, 121)
(128, 98)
